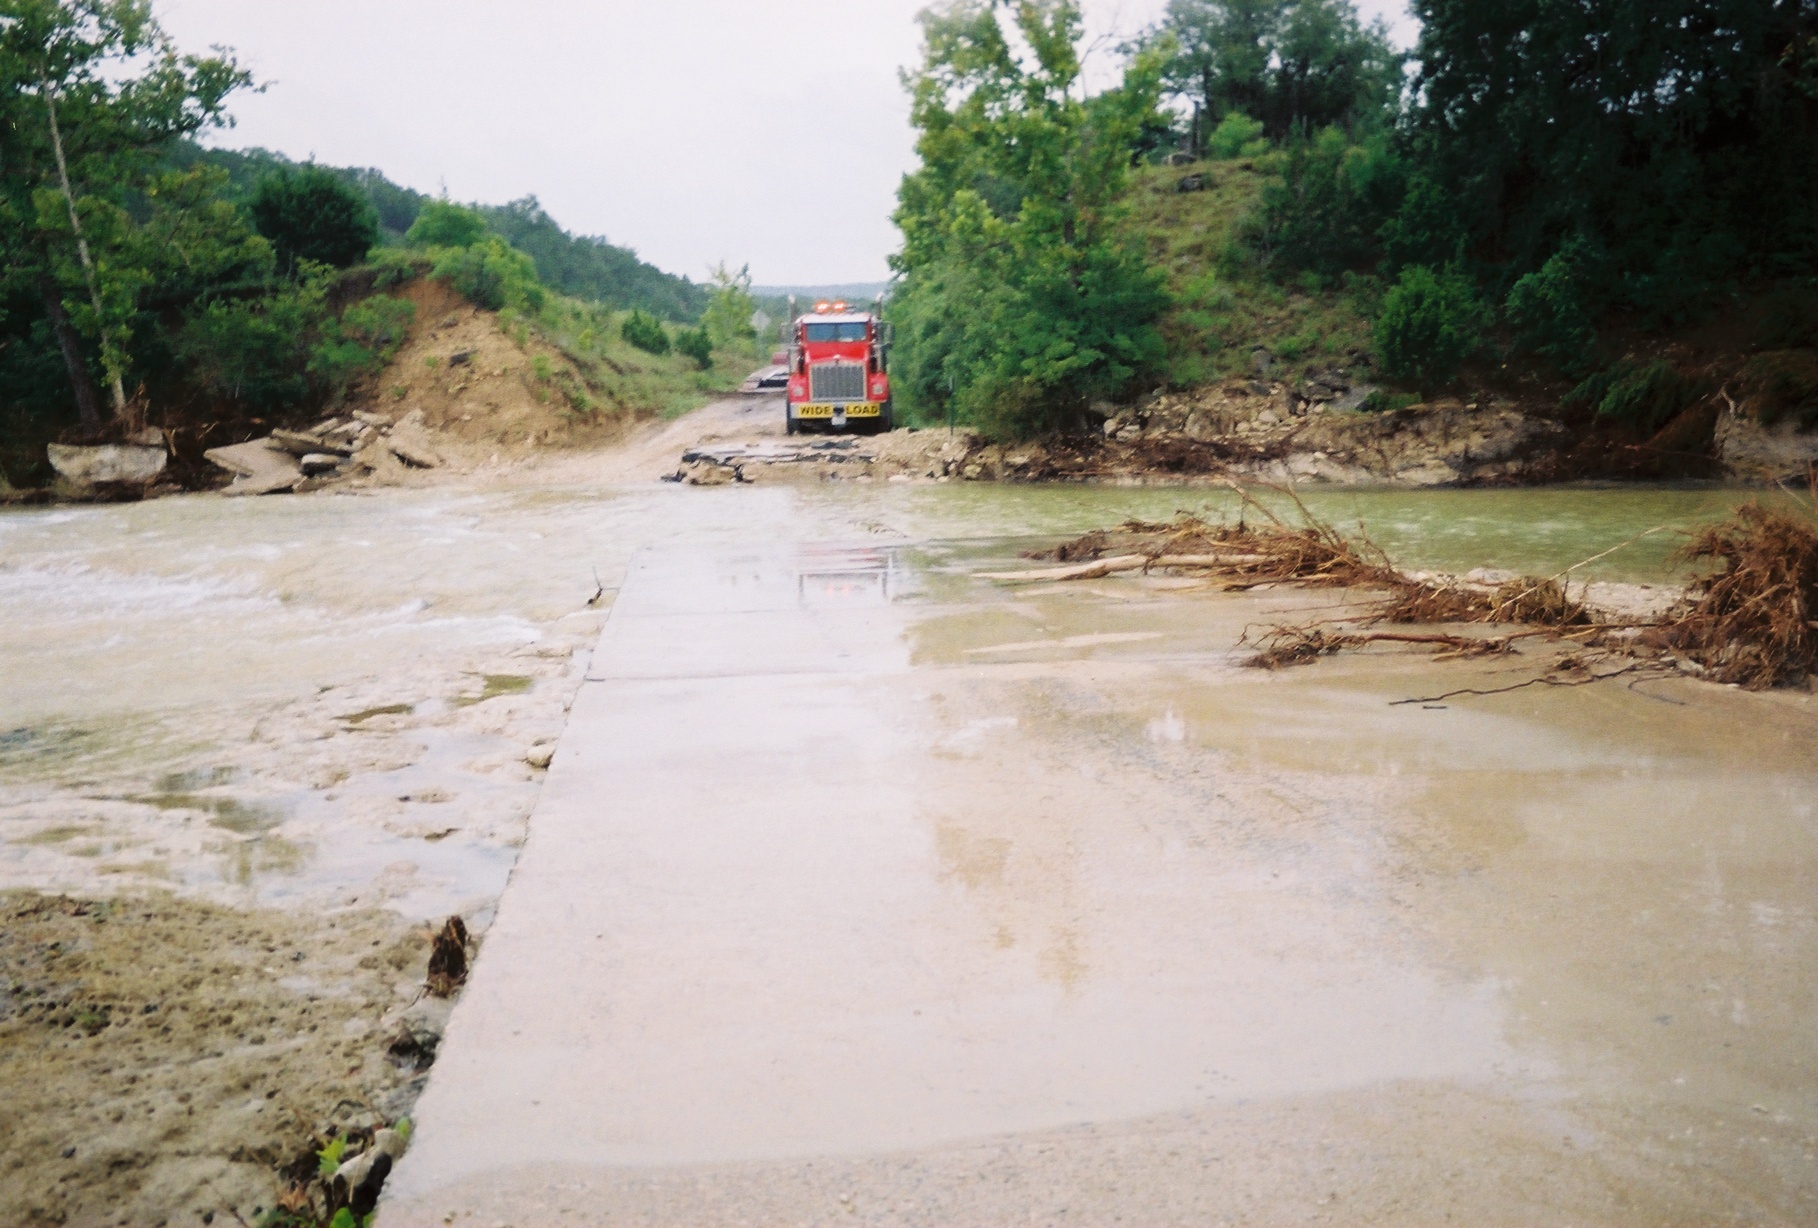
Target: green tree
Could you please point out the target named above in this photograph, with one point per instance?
(1325, 212)
(1678, 136)
(1430, 323)
(1292, 65)
(696, 343)
(645, 331)
(1018, 299)
(727, 319)
(493, 274)
(1237, 136)
(91, 94)
(443, 223)
(313, 214)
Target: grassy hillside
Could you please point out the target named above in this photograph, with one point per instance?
(1224, 304)
(1648, 407)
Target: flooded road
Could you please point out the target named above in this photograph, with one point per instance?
(237, 698)
(863, 890)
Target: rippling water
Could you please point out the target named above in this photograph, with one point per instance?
(199, 634)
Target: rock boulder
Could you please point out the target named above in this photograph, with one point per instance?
(122, 463)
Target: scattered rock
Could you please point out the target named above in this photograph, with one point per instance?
(133, 463)
(303, 443)
(409, 441)
(1192, 183)
(260, 467)
(317, 463)
(540, 757)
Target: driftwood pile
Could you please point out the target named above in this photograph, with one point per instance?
(1751, 619)
(1754, 618)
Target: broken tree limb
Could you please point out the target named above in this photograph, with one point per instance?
(1084, 571)
(1124, 562)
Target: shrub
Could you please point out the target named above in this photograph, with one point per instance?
(696, 344)
(1382, 401)
(365, 338)
(1643, 395)
(646, 332)
(252, 354)
(393, 266)
(1237, 136)
(1325, 212)
(1425, 226)
(493, 275)
(1430, 323)
(445, 224)
(1548, 312)
(312, 214)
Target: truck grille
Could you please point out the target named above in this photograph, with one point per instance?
(837, 381)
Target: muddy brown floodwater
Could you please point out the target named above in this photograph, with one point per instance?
(863, 889)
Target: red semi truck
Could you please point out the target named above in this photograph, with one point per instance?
(839, 370)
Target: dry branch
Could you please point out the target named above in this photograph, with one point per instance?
(1753, 621)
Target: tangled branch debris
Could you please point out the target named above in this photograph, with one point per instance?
(1752, 621)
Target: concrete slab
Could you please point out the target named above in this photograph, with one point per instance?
(811, 878)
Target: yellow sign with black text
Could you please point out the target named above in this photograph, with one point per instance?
(862, 409)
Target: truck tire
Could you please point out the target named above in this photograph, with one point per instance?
(788, 420)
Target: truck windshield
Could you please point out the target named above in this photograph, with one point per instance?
(835, 332)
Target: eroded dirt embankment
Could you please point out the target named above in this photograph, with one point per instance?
(161, 1059)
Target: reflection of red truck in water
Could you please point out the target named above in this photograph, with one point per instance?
(839, 370)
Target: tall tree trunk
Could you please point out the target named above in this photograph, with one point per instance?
(88, 264)
(88, 402)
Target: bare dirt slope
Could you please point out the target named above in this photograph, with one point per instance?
(488, 392)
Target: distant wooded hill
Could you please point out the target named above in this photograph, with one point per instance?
(581, 266)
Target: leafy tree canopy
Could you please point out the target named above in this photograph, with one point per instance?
(442, 223)
(314, 214)
(1673, 138)
(91, 93)
(727, 320)
(1018, 301)
(1292, 65)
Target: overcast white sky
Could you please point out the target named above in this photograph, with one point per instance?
(767, 131)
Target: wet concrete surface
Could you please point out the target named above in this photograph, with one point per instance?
(861, 890)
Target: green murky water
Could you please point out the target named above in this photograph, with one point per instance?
(152, 608)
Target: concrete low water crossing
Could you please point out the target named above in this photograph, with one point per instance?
(863, 890)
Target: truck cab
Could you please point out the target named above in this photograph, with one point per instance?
(839, 371)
